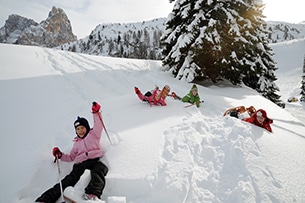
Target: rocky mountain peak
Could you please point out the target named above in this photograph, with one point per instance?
(54, 31)
(17, 22)
(14, 26)
(57, 22)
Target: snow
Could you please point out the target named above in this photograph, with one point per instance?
(160, 154)
(289, 55)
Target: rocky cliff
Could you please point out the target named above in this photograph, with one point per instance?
(52, 32)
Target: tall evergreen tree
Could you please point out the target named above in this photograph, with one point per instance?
(177, 41)
(217, 47)
(262, 78)
(220, 39)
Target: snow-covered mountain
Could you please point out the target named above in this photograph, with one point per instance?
(160, 154)
(142, 40)
(128, 40)
(14, 27)
(131, 40)
(282, 31)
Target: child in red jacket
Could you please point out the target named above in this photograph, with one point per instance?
(260, 119)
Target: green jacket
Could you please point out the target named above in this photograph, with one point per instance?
(192, 99)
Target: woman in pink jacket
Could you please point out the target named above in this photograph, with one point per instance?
(86, 154)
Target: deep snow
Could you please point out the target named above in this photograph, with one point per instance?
(161, 154)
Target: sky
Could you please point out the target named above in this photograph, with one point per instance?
(160, 154)
(85, 15)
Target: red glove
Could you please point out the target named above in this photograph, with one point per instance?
(56, 152)
(95, 107)
(174, 95)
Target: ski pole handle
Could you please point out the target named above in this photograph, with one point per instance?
(56, 157)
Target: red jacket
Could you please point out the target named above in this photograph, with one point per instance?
(265, 124)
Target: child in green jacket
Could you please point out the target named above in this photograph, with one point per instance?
(192, 97)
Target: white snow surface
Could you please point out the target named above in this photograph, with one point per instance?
(160, 154)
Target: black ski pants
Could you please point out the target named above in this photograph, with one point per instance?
(95, 186)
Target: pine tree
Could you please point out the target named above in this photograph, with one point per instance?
(176, 41)
(262, 66)
(303, 83)
(220, 39)
(202, 40)
(216, 49)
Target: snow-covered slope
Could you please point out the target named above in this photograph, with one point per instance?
(290, 60)
(161, 154)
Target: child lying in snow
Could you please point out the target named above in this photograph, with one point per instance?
(240, 112)
(192, 97)
(260, 119)
(156, 97)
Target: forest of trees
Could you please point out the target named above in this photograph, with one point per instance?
(303, 84)
(138, 44)
(220, 40)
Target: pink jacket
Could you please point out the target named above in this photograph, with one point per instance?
(155, 98)
(89, 147)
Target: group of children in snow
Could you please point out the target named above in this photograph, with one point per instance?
(157, 96)
(87, 150)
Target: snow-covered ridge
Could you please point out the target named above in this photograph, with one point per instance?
(128, 40)
(122, 40)
(282, 31)
(131, 40)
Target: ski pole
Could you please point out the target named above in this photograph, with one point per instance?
(189, 105)
(99, 115)
(192, 104)
(60, 184)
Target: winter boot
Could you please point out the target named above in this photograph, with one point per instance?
(137, 90)
(90, 197)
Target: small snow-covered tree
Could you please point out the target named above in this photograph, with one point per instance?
(303, 83)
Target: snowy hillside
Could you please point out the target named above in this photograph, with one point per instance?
(165, 154)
